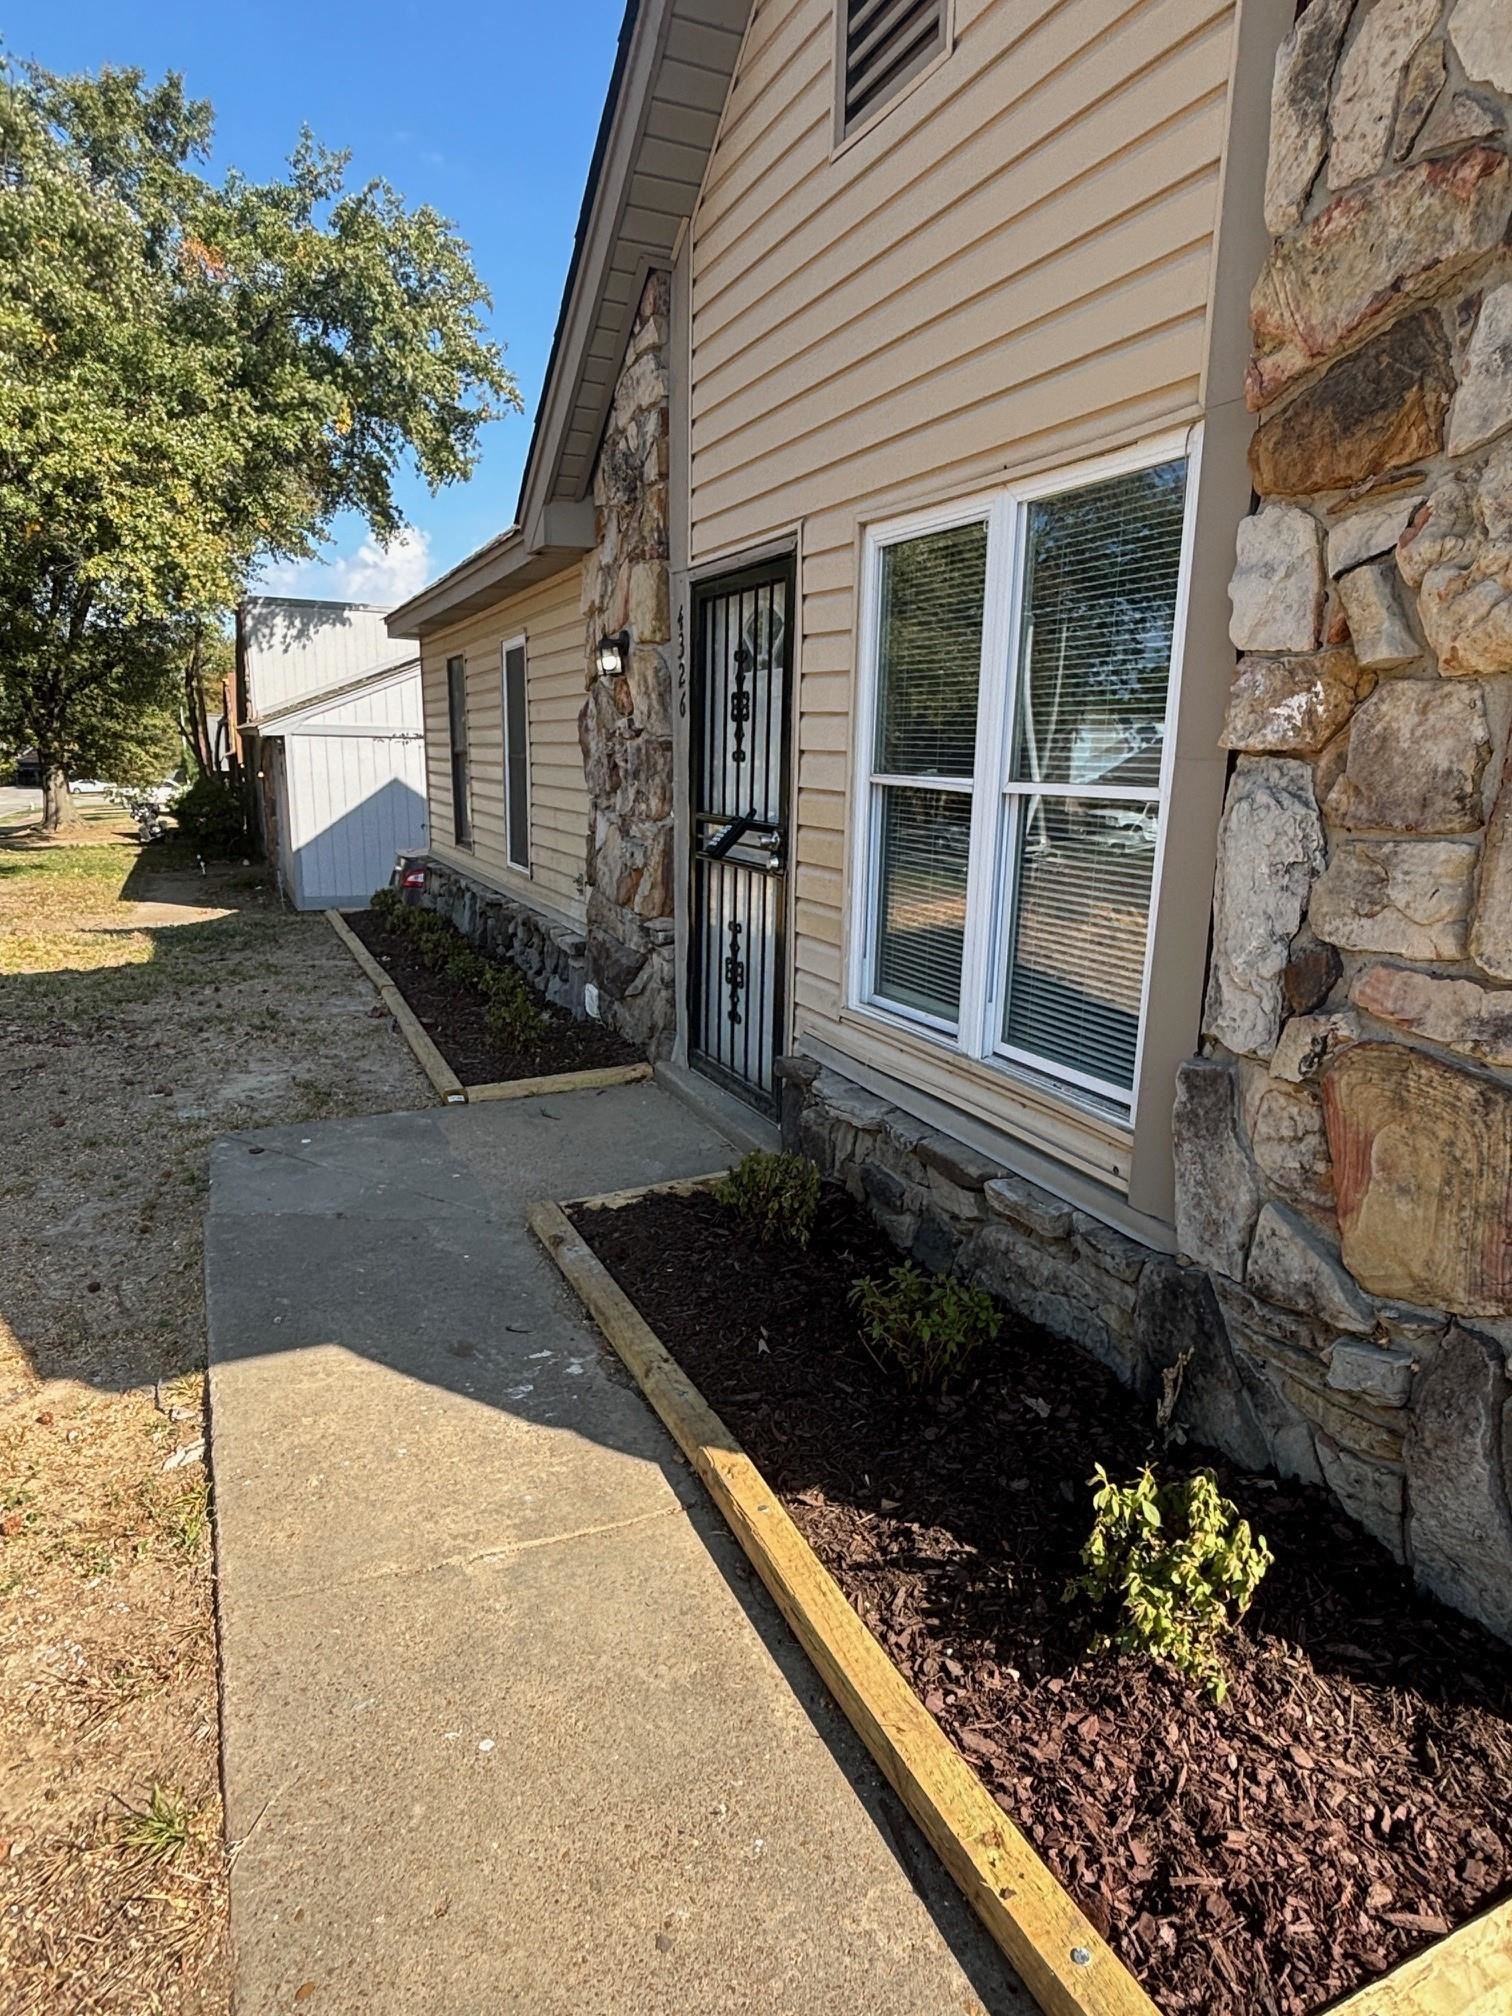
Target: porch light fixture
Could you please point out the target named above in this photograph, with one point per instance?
(612, 653)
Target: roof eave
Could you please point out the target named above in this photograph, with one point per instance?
(499, 570)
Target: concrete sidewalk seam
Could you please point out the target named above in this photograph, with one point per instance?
(398, 1571)
(302, 1210)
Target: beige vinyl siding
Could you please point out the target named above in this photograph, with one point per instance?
(548, 615)
(1008, 270)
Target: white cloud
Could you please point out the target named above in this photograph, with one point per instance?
(374, 573)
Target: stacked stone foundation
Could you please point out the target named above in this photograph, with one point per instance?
(553, 957)
(1400, 1412)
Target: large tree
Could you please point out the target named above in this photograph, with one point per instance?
(195, 376)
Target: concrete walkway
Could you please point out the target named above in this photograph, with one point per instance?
(508, 1723)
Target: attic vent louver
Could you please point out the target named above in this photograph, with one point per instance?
(886, 43)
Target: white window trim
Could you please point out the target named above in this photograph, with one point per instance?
(520, 643)
(990, 863)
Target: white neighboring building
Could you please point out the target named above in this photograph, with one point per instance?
(331, 718)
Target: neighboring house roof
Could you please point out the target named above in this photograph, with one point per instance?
(297, 714)
(289, 648)
(672, 72)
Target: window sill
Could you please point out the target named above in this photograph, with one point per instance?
(1055, 1120)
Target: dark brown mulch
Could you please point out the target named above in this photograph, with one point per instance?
(1346, 1805)
(453, 1017)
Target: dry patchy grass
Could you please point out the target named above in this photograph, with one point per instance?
(128, 1041)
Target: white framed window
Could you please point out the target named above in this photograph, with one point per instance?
(1018, 686)
(516, 704)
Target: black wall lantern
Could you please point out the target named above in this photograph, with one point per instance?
(612, 653)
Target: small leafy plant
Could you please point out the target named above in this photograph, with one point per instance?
(776, 1194)
(1181, 1564)
(160, 1831)
(385, 903)
(926, 1325)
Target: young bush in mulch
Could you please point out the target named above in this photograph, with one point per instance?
(454, 1014)
(1344, 1806)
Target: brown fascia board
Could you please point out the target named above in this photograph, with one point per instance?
(498, 570)
(553, 524)
(649, 40)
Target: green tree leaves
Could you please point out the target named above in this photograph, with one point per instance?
(196, 376)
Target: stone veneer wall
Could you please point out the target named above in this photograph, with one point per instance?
(1341, 1307)
(552, 956)
(625, 727)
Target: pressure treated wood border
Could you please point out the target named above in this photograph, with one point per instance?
(431, 1062)
(1063, 1962)
(435, 1066)
(560, 1081)
(1467, 1973)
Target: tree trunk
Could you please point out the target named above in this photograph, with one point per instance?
(201, 749)
(54, 795)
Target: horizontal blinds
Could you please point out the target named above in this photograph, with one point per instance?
(886, 42)
(516, 758)
(932, 592)
(1101, 573)
(923, 845)
(1077, 942)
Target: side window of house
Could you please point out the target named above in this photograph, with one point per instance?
(1021, 678)
(883, 44)
(456, 710)
(516, 756)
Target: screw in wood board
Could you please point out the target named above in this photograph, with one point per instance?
(1080, 1957)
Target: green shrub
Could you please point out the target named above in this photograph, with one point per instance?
(464, 966)
(1181, 1564)
(210, 816)
(927, 1326)
(512, 1012)
(387, 904)
(777, 1195)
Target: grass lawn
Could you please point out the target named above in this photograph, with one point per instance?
(145, 1008)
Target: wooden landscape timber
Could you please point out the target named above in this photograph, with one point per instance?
(435, 1066)
(431, 1062)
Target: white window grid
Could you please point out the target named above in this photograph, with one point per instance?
(992, 860)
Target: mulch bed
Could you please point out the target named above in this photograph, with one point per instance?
(453, 1017)
(1345, 1806)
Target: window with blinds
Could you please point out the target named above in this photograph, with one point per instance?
(929, 669)
(885, 43)
(516, 758)
(1022, 684)
(456, 716)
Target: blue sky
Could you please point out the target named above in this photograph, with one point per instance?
(489, 113)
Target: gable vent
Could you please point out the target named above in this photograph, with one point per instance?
(886, 43)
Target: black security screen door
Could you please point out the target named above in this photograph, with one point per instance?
(742, 690)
